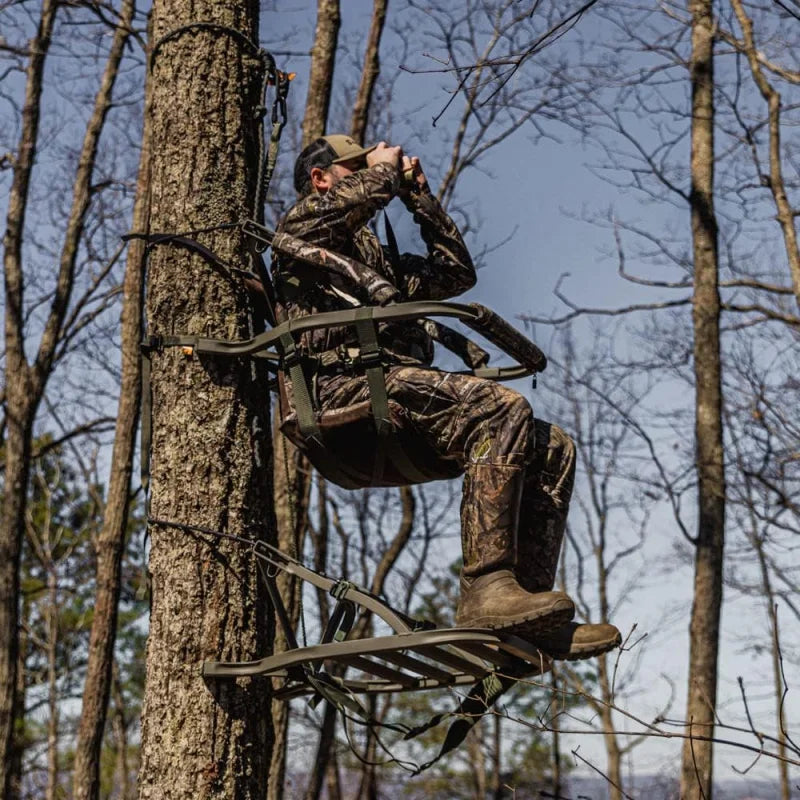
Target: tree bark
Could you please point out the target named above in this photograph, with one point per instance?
(111, 540)
(211, 449)
(320, 81)
(369, 75)
(696, 768)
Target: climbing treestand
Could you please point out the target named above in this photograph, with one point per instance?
(416, 655)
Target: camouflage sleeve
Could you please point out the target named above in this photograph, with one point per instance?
(330, 220)
(447, 270)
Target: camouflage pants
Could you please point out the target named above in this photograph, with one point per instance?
(518, 470)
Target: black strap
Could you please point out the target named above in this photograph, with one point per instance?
(480, 699)
(391, 244)
(146, 422)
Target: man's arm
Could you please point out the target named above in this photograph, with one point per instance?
(447, 270)
(330, 220)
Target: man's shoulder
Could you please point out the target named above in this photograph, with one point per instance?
(303, 209)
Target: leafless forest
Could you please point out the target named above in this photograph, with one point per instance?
(674, 364)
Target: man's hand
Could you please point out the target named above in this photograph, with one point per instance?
(385, 154)
(413, 177)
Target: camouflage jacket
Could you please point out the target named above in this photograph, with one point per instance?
(337, 221)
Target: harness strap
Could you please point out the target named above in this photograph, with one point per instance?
(372, 360)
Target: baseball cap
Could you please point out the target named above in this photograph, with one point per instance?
(323, 152)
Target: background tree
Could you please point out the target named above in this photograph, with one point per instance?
(48, 323)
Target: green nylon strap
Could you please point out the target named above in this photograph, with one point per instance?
(371, 357)
(388, 446)
(306, 419)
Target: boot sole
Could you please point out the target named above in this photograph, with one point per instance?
(560, 613)
(579, 652)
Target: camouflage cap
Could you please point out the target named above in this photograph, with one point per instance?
(323, 152)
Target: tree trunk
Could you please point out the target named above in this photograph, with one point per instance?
(324, 747)
(555, 760)
(777, 184)
(369, 75)
(52, 680)
(20, 404)
(613, 753)
(292, 481)
(292, 473)
(696, 768)
(320, 81)
(120, 731)
(111, 540)
(211, 433)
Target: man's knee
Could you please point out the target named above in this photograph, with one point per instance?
(503, 427)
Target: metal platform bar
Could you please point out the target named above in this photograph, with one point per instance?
(419, 667)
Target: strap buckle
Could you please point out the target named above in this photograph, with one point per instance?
(370, 358)
(340, 589)
(151, 343)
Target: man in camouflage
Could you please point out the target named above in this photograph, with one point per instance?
(518, 470)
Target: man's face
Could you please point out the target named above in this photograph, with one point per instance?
(326, 179)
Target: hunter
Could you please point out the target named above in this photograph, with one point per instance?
(518, 470)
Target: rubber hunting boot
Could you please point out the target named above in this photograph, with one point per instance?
(496, 600)
(574, 641)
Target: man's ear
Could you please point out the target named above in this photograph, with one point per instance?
(320, 179)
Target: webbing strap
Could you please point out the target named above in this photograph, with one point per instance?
(480, 699)
(306, 419)
(371, 358)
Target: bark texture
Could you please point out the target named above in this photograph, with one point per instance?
(111, 539)
(696, 768)
(211, 446)
(370, 72)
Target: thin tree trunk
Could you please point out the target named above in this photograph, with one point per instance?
(497, 758)
(320, 81)
(477, 762)
(111, 540)
(369, 75)
(211, 448)
(320, 766)
(333, 785)
(555, 761)
(777, 676)
(292, 471)
(51, 791)
(777, 185)
(21, 405)
(613, 752)
(292, 481)
(697, 767)
(120, 730)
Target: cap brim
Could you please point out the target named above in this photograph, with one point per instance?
(354, 155)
